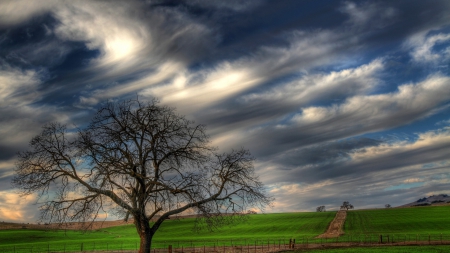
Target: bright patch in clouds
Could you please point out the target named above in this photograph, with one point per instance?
(20, 212)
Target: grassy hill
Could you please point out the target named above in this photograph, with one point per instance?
(417, 220)
(403, 223)
(258, 228)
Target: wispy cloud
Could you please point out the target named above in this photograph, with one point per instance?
(20, 120)
(355, 116)
(13, 12)
(423, 47)
(211, 86)
(369, 14)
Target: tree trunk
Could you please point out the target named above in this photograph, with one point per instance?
(145, 233)
(145, 244)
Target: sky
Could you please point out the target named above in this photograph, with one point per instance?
(337, 100)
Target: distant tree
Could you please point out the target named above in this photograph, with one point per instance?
(346, 205)
(139, 159)
(320, 209)
(387, 206)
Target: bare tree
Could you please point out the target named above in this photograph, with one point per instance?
(320, 209)
(387, 205)
(142, 160)
(346, 205)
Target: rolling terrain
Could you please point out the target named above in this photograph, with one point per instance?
(260, 227)
(441, 199)
(416, 220)
(403, 224)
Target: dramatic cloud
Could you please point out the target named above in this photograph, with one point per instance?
(357, 115)
(375, 112)
(343, 100)
(230, 78)
(376, 171)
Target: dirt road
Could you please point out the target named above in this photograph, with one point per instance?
(335, 228)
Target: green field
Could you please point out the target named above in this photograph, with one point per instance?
(257, 229)
(365, 226)
(432, 220)
(385, 249)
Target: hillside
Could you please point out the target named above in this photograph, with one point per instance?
(412, 221)
(180, 232)
(76, 225)
(440, 199)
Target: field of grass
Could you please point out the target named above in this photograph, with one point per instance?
(402, 224)
(385, 249)
(258, 228)
(432, 220)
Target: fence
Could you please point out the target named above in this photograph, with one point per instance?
(235, 246)
(7, 226)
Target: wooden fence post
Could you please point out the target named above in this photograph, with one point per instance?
(170, 249)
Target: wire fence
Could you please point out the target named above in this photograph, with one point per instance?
(234, 246)
(4, 226)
